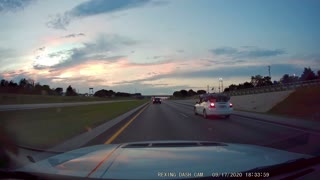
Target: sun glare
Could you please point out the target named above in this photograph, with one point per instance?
(93, 69)
(46, 61)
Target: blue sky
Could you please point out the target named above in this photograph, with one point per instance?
(156, 46)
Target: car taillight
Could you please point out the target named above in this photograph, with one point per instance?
(212, 105)
(231, 105)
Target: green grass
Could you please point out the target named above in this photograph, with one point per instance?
(36, 99)
(304, 103)
(44, 128)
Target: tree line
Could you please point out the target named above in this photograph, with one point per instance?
(28, 86)
(111, 93)
(258, 81)
(185, 93)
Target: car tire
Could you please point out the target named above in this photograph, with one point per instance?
(227, 117)
(205, 116)
(195, 111)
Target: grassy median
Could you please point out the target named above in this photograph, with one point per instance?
(36, 99)
(44, 128)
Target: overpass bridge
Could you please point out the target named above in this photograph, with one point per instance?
(160, 96)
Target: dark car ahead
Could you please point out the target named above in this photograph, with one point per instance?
(156, 101)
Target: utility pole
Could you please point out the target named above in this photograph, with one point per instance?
(269, 71)
(208, 89)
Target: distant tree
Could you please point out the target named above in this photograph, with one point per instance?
(201, 92)
(184, 93)
(12, 84)
(266, 81)
(23, 83)
(285, 79)
(30, 83)
(70, 91)
(177, 94)
(226, 89)
(241, 86)
(100, 93)
(233, 87)
(255, 80)
(191, 92)
(46, 88)
(318, 74)
(307, 75)
(247, 85)
(122, 94)
(106, 93)
(37, 85)
(294, 78)
(288, 79)
(4, 83)
(59, 90)
(259, 81)
(111, 93)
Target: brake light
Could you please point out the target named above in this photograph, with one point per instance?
(231, 105)
(212, 105)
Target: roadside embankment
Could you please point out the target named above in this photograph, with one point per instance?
(259, 102)
(303, 103)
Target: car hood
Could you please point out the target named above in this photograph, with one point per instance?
(160, 160)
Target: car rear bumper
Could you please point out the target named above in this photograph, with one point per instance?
(219, 112)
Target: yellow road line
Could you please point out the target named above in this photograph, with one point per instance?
(115, 135)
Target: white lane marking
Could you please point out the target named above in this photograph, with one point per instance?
(183, 115)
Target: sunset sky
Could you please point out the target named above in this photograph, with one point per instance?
(156, 46)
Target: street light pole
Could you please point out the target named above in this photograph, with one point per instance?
(269, 71)
(220, 84)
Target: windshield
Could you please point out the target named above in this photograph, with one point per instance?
(76, 74)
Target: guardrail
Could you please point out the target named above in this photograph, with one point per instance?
(273, 88)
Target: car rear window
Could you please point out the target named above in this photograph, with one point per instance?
(219, 99)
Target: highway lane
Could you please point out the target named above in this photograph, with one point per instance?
(172, 121)
(14, 107)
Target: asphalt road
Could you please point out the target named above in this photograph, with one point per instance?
(174, 121)
(51, 105)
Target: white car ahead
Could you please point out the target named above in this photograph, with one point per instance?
(213, 104)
